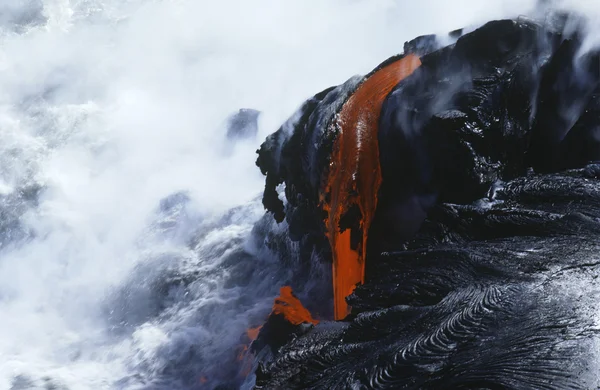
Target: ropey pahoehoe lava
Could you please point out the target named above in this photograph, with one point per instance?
(454, 194)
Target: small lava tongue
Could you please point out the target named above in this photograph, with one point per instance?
(288, 319)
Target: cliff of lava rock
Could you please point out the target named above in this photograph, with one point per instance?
(454, 194)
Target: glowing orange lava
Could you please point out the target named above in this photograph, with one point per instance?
(252, 333)
(291, 308)
(244, 355)
(285, 304)
(354, 175)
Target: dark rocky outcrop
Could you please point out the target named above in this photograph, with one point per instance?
(482, 266)
(243, 124)
(498, 294)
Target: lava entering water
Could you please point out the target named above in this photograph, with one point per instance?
(291, 308)
(286, 305)
(355, 177)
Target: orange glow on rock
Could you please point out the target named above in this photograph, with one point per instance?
(354, 175)
(252, 333)
(286, 304)
(244, 355)
(291, 308)
(243, 351)
(246, 358)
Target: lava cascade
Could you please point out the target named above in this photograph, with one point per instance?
(354, 176)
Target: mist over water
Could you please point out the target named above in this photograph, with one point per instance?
(127, 253)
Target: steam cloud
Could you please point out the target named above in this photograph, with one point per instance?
(108, 107)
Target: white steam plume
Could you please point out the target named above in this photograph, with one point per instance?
(109, 106)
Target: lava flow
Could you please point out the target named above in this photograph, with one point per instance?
(291, 308)
(286, 305)
(354, 176)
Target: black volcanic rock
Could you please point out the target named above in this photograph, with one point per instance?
(243, 124)
(297, 155)
(276, 332)
(501, 296)
(482, 266)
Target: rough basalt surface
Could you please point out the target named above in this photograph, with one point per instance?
(484, 254)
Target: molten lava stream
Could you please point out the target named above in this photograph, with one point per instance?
(291, 308)
(354, 175)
